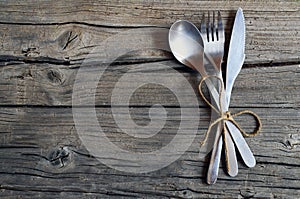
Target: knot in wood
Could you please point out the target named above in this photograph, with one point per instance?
(55, 76)
(59, 157)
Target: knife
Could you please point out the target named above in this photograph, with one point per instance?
(236, 52)
(236, 57)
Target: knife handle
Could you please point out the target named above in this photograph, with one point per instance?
(241, 145)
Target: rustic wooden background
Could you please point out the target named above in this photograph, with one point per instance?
(43, 45)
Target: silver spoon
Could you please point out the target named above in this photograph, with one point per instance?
(186, 44)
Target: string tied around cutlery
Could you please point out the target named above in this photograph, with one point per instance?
(227, 115)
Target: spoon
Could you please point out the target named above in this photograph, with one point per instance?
(186, 44)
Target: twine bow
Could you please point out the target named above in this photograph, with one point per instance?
(227, 116)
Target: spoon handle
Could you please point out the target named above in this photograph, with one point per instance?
(213, 168)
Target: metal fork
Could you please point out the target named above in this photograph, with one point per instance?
(214, 39)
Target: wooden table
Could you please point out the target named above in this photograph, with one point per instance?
(45, 44)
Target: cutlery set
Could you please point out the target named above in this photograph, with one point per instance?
(203, 50)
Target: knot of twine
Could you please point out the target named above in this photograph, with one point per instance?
(227, 116)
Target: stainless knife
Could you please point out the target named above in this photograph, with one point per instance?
(236, 57)
(236, 52)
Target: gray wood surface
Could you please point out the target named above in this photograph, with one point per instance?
(46, 45)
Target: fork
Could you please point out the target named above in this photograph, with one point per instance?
(213, 40)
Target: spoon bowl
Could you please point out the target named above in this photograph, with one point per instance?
(186, 44)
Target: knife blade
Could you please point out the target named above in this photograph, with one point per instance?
(236, 57)
(236, 52)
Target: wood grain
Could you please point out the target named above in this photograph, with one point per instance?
(68, 44)
(66, 33)
(41, 153)
(52, 85)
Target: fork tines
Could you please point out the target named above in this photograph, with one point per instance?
(209, 28)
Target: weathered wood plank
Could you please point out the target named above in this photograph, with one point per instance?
(134, 13)
(46, 84)
(71, 43)
(32, 137)
(65, 33)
